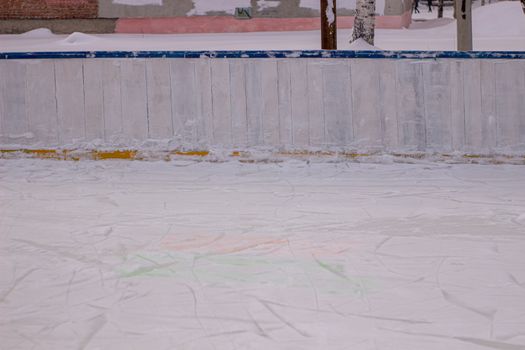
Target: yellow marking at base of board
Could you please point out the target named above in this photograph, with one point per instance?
(123, 154)
(192, 153)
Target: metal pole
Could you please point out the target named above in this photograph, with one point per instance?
(464, 24)
(328, 25)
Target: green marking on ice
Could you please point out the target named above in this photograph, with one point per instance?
(153, 270)
(357, 283)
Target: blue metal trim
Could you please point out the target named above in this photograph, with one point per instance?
(268, 54)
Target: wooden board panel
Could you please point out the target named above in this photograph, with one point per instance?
(285, 102)
(314, 101)
(410, 105)
(112, 100)
(337, 101)
(367, 122)
(457, 105)
(510, 104)
(134, 101)
(299, 94)
(488, 105)
(220, 79)
(270, 102)
(238, 103)
(436, 88)
(388, 105)
(473, 123)
(3, 87)
(93, 100)
(41, 102)
(203, 88)
(14, 120)
(70, 101)
(159, 93)
(184, 101)
(254, 103)
(521, 92)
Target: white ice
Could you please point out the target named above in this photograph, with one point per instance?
(294, 255)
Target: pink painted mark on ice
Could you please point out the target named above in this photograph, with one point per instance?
(253, 243)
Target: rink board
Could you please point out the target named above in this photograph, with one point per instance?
(364, 101)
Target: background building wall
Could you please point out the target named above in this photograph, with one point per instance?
(261, 8)
(48, 9)
(184, 16)
(55, 9)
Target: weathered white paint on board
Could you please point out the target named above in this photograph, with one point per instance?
(470, 106)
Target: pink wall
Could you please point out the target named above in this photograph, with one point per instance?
(221, 24)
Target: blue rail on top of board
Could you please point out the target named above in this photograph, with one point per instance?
(268, 54)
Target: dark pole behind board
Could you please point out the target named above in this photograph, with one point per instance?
(328, 25)
(464, 24)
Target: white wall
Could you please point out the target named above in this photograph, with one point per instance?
(443, 105)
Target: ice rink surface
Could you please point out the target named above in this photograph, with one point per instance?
(292, 255)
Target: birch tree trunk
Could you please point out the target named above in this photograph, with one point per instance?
(364, 23)
(523, 5)
(440, 8)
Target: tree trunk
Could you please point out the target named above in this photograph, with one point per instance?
(440, 8)
(482, 2)
(328, 25)
(523, 5)
(364, 23)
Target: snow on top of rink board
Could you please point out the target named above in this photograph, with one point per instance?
(375, 54)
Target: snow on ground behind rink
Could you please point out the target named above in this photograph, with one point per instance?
(497, 26)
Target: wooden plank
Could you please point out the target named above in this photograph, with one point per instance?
(112, 100)
(521, 91)
(3, 87)
(314, 100)
(337, 102)
(93, 99)
(270, 106)
(70, 101)
(367, 121)
(134, 101)
(510, 105)
(204, 102)
(473, 124)
(457, 105)
(436, 89)
(254, 103)
(285, 102)
(388, 109)
(410, 105)
(41, 102)
(220, 79)
(184, 101)
(159, 92)
(299, 93)
(238, 102)
(488, 105)
(15, 123)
